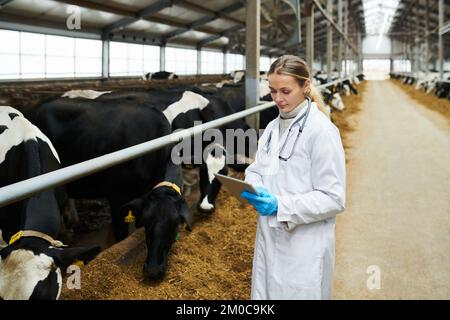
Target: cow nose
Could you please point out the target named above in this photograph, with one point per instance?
(154, 272)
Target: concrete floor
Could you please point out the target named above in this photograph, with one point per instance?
(397, 221)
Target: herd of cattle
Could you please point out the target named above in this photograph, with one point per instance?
(430, 82)
(84, 124)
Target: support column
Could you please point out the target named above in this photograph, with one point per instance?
(340, 24)
(345, 32)
(427, 27)
(416, 41)
(360, 54)
(252, 49)
(391, 60)
(441, 43)
(224, 51)
(309, 33)
(105, 58)
(329, 39)
(199, 60)
(162, 58)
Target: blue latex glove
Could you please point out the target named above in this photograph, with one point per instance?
(264, 202)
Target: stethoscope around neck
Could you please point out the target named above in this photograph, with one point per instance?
(303, 117)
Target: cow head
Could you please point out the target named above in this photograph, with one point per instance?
(161, 212)
(30, 268)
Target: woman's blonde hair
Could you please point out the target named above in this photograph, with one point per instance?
(296, 67)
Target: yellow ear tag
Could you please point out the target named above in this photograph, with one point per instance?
(78, 263)
(15, 237)
(130, 218)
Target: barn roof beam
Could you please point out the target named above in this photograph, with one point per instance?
(196, 8)
(4, 3)
(204, 20)
(141, 14)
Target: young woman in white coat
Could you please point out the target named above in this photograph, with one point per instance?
(299, 172)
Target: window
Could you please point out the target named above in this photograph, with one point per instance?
(350, 68)
(212, 62)
(88, 58)
(118, 55)
(151, 58)
(9, 54)
(235, 62)
(32, 55)
(402, 66)
(181, 61)
(127, 59)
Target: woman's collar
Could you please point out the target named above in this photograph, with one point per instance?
(294, 112)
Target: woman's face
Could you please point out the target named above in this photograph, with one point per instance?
(286, 92)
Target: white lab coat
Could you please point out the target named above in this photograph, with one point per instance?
(294, 249)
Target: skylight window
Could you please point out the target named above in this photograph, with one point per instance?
(378, 15)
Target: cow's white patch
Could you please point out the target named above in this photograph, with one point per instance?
(221, 83)
(59, 279)
(189, 101)
(264, 89)
(19, 130)
(205, 205)
(237, 76)
(171, 76)
(336, 102)
(214, 165)
(21, 271)
(346, 89)
(86, 94)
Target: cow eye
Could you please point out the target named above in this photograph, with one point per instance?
(3, 128)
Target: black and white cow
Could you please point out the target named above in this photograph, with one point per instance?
(442, 89)
(83, 129)
(30, 266)
(161, 211)
(182, 109)
(160, 75)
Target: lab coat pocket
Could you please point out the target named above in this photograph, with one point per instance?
(298, 259)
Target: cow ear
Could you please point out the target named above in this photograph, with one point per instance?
(185, 213)
(66, 256)
(132, 211)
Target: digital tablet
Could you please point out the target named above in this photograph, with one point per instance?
(236, 186)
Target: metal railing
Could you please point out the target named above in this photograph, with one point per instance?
(26, 188)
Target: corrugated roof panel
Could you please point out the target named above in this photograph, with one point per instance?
(58, 12)
(220, 24)
(89, 16)
(31, 7)
(182, 13)
(193, 36)
(223, 41)
(147, 26)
